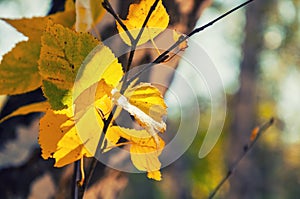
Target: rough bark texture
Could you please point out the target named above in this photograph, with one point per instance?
(247, 181)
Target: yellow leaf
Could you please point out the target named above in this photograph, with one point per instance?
(156, 175)
(76, 135)
(88, 13)
(144, 151)
(145, 159)
(94, 94)
(144, 119)
(33, 28)
(31, 108)
(50, 132)
(149, 99)
(70, 147)
(101, 63)
(19, 70)
(98, 75)
(30, 27)
(59, 138)
(112, 136)
(157, 23)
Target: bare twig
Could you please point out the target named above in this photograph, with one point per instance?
(107, 6)
(80, 189)
(76, 189)
(134, 44)
(256, 133)
(165, 55)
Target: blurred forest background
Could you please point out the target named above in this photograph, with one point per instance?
(256, 53)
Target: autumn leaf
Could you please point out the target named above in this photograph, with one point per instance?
(62, 53)
(19, 68)
(33, 28)
(149, 99)
(24, 110)
(59, 140)
(137, 14)
(144, 151)
(101, 63)
(74, 134)
(98, 76)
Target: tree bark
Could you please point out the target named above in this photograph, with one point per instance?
(247, 181)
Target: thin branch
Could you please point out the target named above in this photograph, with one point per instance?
(152, 9)
(107, 6)
(256, 133)
(77, 193)
(99, 150)
(159, 59)
(165, 55)
(134, 42)
(134, 45)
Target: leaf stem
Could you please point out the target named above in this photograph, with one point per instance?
(258, 131)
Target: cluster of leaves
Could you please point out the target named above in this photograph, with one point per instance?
(85, 95)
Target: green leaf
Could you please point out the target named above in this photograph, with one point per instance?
(19, 70)
(62, 53)
(60, 98)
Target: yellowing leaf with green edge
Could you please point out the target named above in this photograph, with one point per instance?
(98, 75)
(18, 69)
(157, 23)
(88, 13)
(149, 99)
(76, 132)
(101, 63)
(144, 151)
(31, 108)
(60, 98)
(62, 53)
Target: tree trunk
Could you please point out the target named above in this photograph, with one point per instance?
(247, 179)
